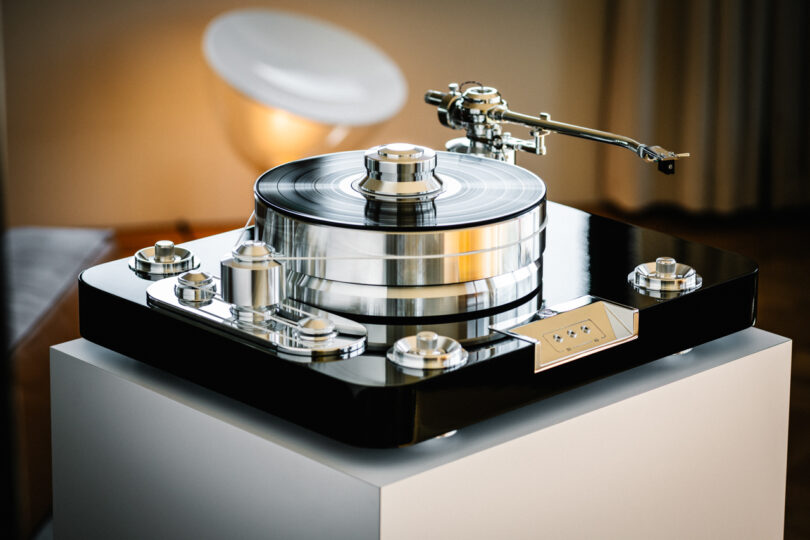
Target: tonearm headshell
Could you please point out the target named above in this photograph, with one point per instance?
(481, 111)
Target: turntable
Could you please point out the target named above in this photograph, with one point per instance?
(389, 296)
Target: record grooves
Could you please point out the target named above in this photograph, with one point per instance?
(477, 191)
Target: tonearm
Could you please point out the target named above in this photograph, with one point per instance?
(480, 111)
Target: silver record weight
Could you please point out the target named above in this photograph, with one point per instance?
(400, 173)
(403, 231)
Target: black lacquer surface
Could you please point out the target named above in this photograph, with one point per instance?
(368, 401)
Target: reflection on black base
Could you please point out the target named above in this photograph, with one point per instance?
(414, 214)
(368, 401)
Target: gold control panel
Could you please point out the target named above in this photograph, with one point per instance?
(576, 329)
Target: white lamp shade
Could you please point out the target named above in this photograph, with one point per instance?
(313, 81)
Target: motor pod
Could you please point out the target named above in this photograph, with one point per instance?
(252, 281)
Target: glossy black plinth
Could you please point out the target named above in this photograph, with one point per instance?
(368, 401)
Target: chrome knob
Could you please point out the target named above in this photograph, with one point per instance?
(401, 150)
(427, 350)
(664, 278)
(427, 341)
(195, 287)
(164, 251)
(316, 328)
(665, 266)
(161, 260)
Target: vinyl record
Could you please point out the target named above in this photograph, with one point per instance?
(477, 191)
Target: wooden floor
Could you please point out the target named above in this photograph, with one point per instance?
(778, 243)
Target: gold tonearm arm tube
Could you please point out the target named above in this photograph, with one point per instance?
(480, 111)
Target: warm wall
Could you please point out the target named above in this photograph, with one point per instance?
(111, 118)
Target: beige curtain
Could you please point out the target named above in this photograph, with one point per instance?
(727, 81)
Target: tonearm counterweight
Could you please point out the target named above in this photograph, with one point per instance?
(480, 111)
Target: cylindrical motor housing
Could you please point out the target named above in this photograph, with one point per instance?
(251, 278)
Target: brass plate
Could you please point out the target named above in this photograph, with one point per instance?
(578, 332)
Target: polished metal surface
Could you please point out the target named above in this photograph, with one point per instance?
(575, 329)
(472, 330)
(463, 145)
(400, 173)
(195, 287)
(251, 280)
(417, 301)
(161, 260)
(404, 259)
(480, 111)
(647, 152)
(468, 110)
(292, 331)
(316, 328)
(427, 350)
(164, 251)
(664, 278)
